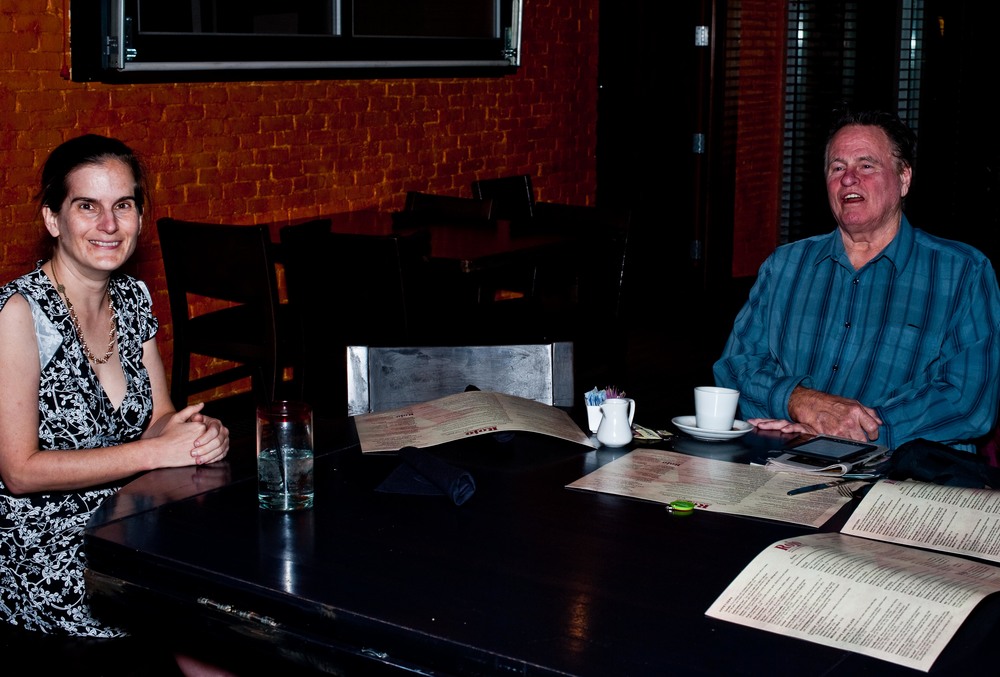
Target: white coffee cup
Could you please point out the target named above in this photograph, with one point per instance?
(715, 408)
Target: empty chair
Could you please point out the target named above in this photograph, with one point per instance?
(231, 268)
(513, 197)
(351, 288)
(429, 208)
(383, 378)
(597, 267)
(514, 201)
(442, 212)
(587, 287)
(370, 283)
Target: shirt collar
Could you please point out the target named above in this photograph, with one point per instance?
(897, 252)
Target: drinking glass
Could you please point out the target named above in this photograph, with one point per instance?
(285, 456)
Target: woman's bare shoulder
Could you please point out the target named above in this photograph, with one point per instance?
(15, 305)
(16, 321)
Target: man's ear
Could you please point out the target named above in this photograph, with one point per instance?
(905, 177)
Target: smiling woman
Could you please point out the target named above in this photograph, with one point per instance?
(86, 405)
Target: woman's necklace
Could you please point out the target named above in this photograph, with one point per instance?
(112, 335)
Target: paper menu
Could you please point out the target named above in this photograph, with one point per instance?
(460, 416)
(882, 600)
(956, 520)
(865, 589)
(712, 485)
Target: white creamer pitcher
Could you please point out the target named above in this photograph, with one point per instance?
(615, 429)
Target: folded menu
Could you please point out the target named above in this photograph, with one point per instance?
(882, 599)
(460, 416)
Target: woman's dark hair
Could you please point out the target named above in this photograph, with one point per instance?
(89, 149)
(902, 138)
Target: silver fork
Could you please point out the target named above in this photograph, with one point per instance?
(845, 490)
(852, 489)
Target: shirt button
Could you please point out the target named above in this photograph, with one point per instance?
(836, 367)
(855, 281)
(847, 325)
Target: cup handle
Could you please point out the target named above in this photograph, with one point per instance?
(631, 410)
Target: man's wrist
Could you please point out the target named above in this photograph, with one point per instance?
(797, 400)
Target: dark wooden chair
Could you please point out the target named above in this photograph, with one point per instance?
(513, 196)
(588, 288)
(597, 269)
(350, 288)
(426, 208)
(383, 378)
(423, 209)
(232, 271)
(513, 201)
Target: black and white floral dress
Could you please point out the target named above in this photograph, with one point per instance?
(41, 558)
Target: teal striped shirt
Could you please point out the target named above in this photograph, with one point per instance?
(915, 334)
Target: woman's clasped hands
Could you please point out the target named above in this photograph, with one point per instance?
(189, 435)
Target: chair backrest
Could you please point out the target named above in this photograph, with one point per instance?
(383, 378)
(513, 197)
(303, 259)
(350, 289)
(602, 234)
(227, 262)
(371, 285)
(233, 266)
(424, 208)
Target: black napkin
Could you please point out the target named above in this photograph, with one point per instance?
(426, 475)
(938, 463)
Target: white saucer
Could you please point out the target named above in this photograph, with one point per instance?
(687, 424)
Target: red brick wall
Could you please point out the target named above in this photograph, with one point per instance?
(261, 151)
(757, 196)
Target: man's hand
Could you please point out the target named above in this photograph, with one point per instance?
(832, 415)
(781, 425)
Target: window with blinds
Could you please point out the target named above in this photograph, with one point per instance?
(863, 53)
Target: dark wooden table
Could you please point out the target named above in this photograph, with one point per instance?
(467, 249)
(526, 578)
(470, 265)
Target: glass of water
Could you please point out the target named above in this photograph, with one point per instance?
(285, 456)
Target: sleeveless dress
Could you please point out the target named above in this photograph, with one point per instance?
(41, 535)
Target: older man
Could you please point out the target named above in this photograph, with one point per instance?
(877, 330)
